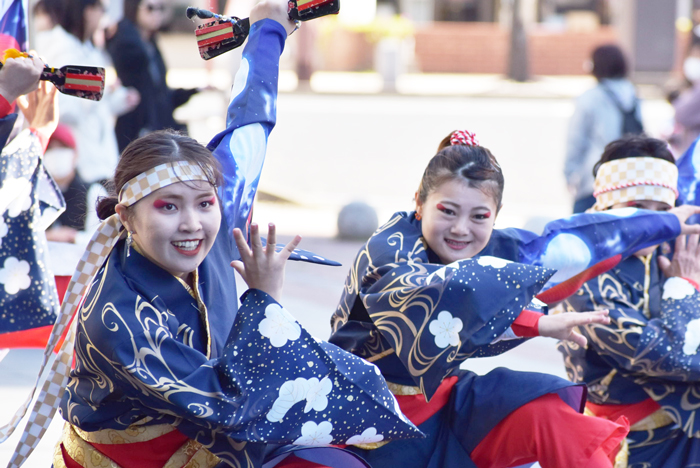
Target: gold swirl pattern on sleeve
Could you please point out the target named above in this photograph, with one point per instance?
(408, 291)
(145, 344)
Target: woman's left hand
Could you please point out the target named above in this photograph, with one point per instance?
(561, 326)
(261, 267)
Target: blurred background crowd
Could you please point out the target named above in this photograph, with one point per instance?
(614, 63)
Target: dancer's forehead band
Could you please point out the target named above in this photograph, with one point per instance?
(158, 177)
(633, 179)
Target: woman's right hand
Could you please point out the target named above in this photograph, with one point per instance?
(261, 267)
(275, 10)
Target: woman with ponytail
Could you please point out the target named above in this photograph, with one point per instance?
(436, 286)
(169, 371)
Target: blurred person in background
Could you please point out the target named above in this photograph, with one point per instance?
(139, 63)
(602, 114)
(78, 222)
(687, 104)
(46, 14)
(70, 43)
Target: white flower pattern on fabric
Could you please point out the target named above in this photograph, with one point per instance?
(19, 191)
(279, 326)
(677, 288)
(15, 275)
(3, 229)
(291, 392)
(692, 338)
(317, 394)
(368, 436)
(315, 434)
(446, 329)
(492, 261)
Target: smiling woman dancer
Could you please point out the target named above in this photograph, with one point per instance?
(417, 304)
(167, 373)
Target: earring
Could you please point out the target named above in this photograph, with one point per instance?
(418, 216)
(129, 241)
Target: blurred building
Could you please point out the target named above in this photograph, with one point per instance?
(472, 36)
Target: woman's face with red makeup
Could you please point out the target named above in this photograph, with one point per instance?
(457, 220)
(175, 227)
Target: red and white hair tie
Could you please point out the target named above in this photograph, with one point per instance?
(463, 137)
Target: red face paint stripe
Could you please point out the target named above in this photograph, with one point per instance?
(160, 203)
(440, 206)
(487, 215)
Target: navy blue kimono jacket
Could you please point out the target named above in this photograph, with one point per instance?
(649, 351)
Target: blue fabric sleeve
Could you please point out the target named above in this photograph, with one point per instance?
(273, 383)
(572, 245)
(240, 149)
(6, 125)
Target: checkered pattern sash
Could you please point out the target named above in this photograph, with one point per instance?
(637, 178)
(97, 251)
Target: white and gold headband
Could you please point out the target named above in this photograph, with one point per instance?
(96, 252)
(637, 178)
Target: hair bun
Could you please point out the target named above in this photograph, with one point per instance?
(106, 207)
(464, 138)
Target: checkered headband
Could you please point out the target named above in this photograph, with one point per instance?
(637, 178)
(96, 252)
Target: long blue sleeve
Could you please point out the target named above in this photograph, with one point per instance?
(240, 149)
(581, 242)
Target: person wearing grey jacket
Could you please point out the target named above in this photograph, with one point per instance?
(597, 120)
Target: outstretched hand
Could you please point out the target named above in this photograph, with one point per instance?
(561, 326)
(261, 267)
(684, 212)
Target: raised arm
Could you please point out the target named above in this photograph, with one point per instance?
(251, 114)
